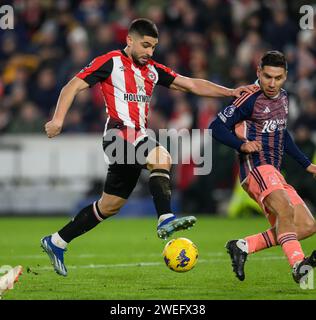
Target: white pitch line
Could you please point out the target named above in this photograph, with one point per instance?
(107, 255)
(150, 264)
(105, 266)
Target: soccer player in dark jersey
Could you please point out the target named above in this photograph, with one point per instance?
(256, 126)
(127, 79)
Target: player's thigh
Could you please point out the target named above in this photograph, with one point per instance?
(121, 180)
(304, 221)
(278, 203)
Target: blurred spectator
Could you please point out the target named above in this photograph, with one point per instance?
(247, 48)
(281, 31)
(29, 120)
(181, 118)
(45, 92)
(308, 116)
(47, 44)
(74, 122)
(4, 120)
(104, 39)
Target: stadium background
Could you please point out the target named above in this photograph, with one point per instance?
(217, 40)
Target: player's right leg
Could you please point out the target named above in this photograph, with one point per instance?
(159, 164)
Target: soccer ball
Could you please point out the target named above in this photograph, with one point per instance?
(180, 254)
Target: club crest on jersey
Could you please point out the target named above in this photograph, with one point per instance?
(151, 75)
(229, 111)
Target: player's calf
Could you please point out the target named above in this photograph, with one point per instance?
(159, 164)
(109, 205)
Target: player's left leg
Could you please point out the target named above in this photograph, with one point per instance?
(119, 183)
(159, 164)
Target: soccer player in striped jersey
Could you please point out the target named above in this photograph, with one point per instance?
(256, 126)
(127, 79)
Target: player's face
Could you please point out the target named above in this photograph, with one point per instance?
(271, 80)
(141, 48)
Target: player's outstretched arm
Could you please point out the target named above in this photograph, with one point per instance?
(293, 151)
(208, 89)
(66, 97)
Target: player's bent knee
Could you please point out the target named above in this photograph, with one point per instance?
(305, 230)
(159, 158)
(309, 228)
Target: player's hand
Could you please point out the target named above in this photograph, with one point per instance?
(251, 146)
(53, 128)
(248, 89)
(312, 169)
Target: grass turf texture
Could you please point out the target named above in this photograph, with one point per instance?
(121, 259)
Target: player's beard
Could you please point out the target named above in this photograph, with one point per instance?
(137, 59)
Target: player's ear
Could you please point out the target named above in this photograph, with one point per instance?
(258, 71)
(129, 40)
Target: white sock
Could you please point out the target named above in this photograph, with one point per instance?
(242, 245)
(58, 241)
(164, 217)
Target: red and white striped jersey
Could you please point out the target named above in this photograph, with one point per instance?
(127, 88)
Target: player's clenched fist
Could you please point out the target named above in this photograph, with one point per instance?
(251, 146)
(52, 128)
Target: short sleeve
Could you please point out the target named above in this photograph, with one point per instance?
(97, 70)
(165, 75)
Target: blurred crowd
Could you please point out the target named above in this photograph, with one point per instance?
(218, 40)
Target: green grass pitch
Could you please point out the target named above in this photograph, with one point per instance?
(121, 259)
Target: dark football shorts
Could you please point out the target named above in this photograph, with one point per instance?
(126, 158)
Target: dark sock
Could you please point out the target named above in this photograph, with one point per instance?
(160, 189)
(85, 220)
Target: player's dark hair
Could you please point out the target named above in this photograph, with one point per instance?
(143, 27)
(274, 59)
